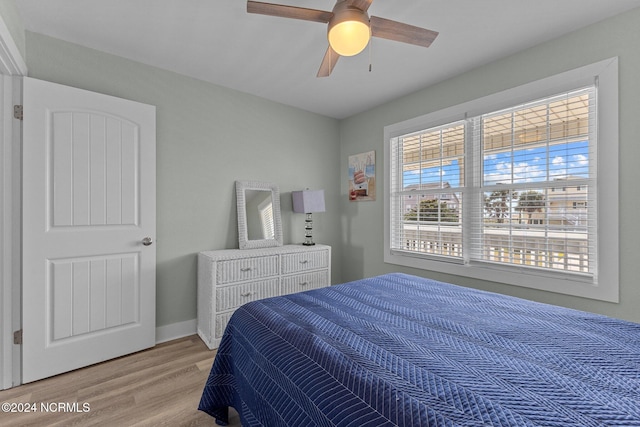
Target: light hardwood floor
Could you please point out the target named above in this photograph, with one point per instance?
(156, 387)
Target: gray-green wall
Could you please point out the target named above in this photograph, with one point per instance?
(620, 36)
(207, 137)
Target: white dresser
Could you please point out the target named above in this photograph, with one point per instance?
(229, 278)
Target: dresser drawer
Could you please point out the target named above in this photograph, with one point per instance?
(221, 323)
(304, 261)
(229, 297)
(304, 282)
(239, 270)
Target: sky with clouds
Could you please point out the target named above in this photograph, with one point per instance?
(515, 167)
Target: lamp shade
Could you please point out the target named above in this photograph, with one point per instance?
(308, 201)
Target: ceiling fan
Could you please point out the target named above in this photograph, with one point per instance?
(349, 29)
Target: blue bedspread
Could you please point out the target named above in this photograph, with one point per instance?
(402, 350)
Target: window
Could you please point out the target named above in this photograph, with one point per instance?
(429, 167)
(506, 186)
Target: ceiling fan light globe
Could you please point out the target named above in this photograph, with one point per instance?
(349, 30)
(349, 38)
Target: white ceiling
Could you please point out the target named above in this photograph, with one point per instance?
(278, 58)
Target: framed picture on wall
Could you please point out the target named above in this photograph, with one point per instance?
(362, 176)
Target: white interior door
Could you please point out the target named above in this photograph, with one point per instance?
(88, 204)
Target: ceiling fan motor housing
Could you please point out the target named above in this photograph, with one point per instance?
(349, 30)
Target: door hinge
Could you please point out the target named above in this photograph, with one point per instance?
(17, 337)
(17, 112)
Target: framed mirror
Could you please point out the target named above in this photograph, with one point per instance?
(259, 222)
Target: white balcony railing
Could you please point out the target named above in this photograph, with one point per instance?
(555, 250)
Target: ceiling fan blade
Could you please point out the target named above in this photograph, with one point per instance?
(289, 11)
(328, 62)
(393, 30)
(361, 4)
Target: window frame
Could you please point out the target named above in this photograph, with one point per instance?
(604, 285)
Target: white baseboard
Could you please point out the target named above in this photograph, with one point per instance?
(175, 330)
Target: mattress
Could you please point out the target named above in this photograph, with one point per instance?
(408, 351)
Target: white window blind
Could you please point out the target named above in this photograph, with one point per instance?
(510, 188)
(427, 197)
(538, 182)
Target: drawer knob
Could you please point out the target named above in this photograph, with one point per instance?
(247, 294)
(304, 261)
(304, 283)
(245, 269)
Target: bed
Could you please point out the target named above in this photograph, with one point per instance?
(408, 351)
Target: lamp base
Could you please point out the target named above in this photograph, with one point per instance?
(308, 227)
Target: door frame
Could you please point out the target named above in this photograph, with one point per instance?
(12, 68)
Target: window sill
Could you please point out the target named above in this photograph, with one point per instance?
(576, 285)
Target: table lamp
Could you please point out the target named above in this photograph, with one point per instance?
(308, 201)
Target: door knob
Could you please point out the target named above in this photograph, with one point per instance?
(147, 241)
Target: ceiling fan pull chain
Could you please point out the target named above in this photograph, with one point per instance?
(370, 48)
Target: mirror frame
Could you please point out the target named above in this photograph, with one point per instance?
(243, 236)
